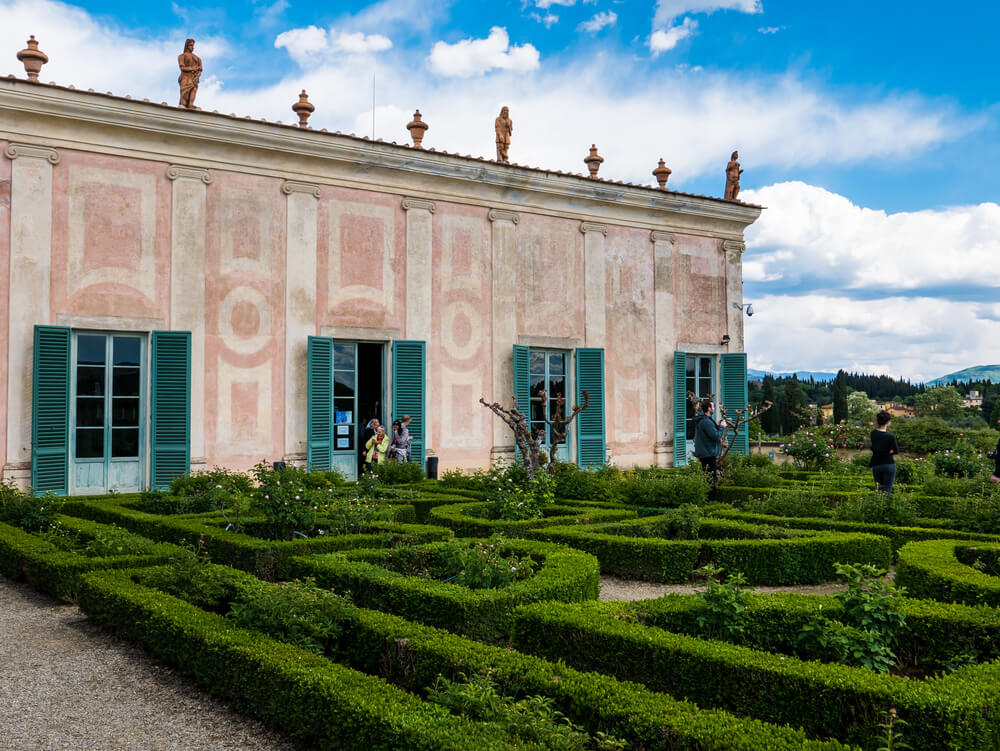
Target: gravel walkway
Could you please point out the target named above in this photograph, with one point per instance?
(623, 589)
(66, 684)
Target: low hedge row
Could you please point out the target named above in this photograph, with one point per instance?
(412, 656)
(267, 559)
(303, 694)
(960, 711)
(941, 570)
(24, 555)
(899, 536)
(485, 614)
(765, 554)
(470, 520)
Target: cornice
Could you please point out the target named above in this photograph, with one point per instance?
(180, 172)
(418, 203)
(658, 236)
(586, 227)
(293, 186)
(15, 150)
(498, 215)
(76, 119)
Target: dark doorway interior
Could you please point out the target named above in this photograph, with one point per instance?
(371, 390)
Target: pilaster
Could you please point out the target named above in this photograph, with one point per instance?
(29, 296)
(595, 283)
(665, 335)
(189, 205)
(302, 215)
(419, 297)
(504, 273)
(734, 293)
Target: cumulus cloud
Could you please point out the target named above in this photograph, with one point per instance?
(668, 10)
(912, 337)
(770, 29)
(547, 20)
(599, 21)
(663, 40)
(306, 45)
(474, 57)
(809, 236)
(549, 3)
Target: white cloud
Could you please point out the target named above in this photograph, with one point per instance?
(307, 45)
(810, 233)
(668, 10)
(911, 337)
(543, 4)
(548, 19)
(474, 57)
(599, 21)
(770, 29)
(664, 40)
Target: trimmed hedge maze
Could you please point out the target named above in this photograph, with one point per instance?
(341, 633)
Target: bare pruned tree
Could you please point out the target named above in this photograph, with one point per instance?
(743, 418)
(529, 442)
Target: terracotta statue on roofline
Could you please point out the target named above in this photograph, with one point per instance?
(504, 127)
(190, 65)
(733, 173)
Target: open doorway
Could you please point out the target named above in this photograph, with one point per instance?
(371, 391)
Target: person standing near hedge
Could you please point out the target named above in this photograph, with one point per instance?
(995, 456)
(884, 447)
(708, 441)
(377, 447)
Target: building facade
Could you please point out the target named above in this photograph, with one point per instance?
(189, 289)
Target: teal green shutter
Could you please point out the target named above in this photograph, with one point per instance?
(522, 387)
(408, 386)
(319, 407)
(734, 394)
(50, 411)
(680, 409)
(590, 443)
(171, 412)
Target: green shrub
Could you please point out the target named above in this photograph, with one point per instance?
(587, 485)
(112, 541)
(398, 473)
(484, 564)
(942, 570)
(897, 509)
(811, 449)
(205, 482)
(800, 500)
(962, 460)
(22, 510)
(752, 471)
(724, 603)
(664, 488)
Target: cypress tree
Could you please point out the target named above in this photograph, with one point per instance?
(840, 397)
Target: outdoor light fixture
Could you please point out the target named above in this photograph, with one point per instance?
(748, 306)
(725, 339)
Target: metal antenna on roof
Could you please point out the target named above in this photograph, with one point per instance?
(373, 102)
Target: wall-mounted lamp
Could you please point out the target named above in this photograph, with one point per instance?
(725, 339)
(748, 307)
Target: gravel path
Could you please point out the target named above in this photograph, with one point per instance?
(66, 684)
(623, 589)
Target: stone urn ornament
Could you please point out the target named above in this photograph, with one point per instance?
(417, 128)
(303, 108)
(33, 59)
(662, 174)
(593, 161)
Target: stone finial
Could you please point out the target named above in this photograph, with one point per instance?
(662, 174)
(303, 108)
(33, 59)
(593, 161)
(417, 128)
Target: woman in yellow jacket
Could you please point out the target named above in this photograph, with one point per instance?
(377, 447)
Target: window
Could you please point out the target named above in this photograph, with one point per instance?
(699, 380)
(547, 384)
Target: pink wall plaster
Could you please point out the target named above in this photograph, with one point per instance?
(5, 171)
(550, 277)
(700, 290)
(630, 358)
(110, 236)
(461, 347)
(244, 320)
(361, 260)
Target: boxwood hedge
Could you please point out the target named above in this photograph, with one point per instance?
(942, 570)
(470, 519)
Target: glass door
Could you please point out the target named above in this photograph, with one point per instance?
(700, 379)
(107, 410)
(548, 383)
(345, 409)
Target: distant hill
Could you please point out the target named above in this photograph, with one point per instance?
(975, 373)
(803, 375)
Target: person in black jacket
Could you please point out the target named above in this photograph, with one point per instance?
(884, 447)
(708, 434)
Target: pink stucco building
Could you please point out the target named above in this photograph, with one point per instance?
(188, 289)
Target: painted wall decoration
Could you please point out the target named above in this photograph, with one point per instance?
(550, 276)
(701, 293)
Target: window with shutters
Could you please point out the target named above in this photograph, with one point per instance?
(699, 380)
(547, 383)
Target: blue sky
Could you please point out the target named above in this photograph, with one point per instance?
(870, 130)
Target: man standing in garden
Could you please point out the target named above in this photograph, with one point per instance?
(708, 441)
